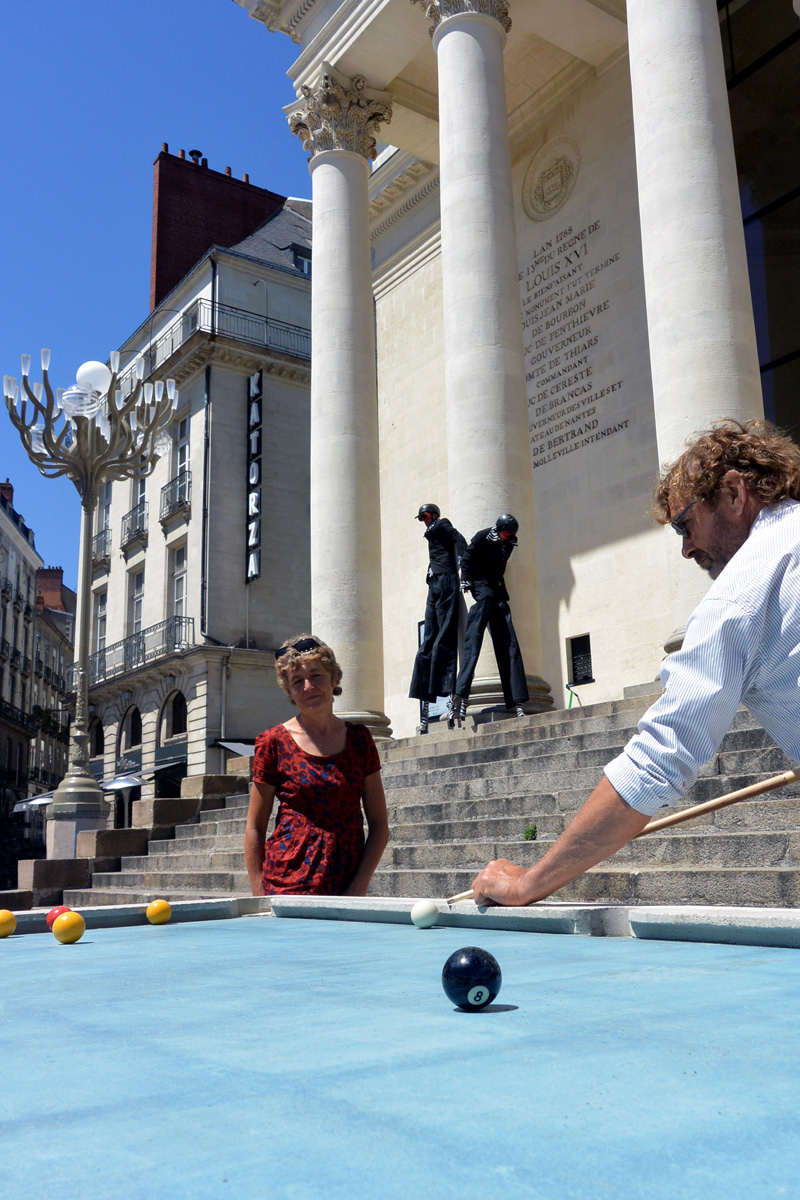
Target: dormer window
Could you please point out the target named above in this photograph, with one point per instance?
(302, 259)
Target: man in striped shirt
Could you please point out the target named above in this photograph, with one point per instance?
(732, 497)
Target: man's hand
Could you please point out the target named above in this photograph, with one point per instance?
(603, 825)
(501, 882)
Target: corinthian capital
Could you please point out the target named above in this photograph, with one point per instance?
(439, 10)
(339, 114)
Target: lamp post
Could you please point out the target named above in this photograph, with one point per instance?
(91, 433)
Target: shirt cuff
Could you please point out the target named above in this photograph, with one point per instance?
(644, 793)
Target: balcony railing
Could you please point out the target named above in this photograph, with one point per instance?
(24, 720)
(167, 637)
(19, 599)
(101, 547)
(225, 321)
(48, 674)
(6, 588)
(38, 666)
(28, 614)
(26, 665)
(16, 657)
(134, 525)
(176, 495)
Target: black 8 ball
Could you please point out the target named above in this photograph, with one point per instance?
(471, 977)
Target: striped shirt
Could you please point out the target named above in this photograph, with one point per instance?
(742, 645)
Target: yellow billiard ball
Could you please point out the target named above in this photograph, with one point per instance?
(69, 927)
(159, 912)
(8, 922)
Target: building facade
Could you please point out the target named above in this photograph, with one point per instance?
(202, 569)
(37, 618)
(577, 224)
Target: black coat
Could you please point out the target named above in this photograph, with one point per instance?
(484, 562)
(445, 547)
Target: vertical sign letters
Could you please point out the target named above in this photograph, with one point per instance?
(253, 547)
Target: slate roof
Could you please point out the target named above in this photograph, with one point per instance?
(273, 241)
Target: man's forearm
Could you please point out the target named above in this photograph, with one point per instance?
(601, 827)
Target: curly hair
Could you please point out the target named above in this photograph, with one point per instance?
(768, 461)
(287, 659)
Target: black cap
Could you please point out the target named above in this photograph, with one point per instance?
(433, 509)
(506, 521)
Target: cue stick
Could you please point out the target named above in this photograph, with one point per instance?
(746, 793)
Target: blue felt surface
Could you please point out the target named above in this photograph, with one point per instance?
(301, 1059)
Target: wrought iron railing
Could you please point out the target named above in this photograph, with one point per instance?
(167, 637)
(225, 321)
(11, 713)
(176, 495)
(101, 546)
(134, 525)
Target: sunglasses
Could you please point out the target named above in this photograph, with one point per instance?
(678, 524)
(300, 647)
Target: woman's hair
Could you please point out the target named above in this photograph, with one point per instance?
(301, 649)
(767, 460)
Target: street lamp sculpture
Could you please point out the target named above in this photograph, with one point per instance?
(91, 433)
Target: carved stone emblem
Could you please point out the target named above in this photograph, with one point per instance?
(550, 177)
(439, 10)
(339, 114)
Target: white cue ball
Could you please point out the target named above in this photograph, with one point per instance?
(424, 914)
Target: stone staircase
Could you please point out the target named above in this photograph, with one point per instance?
(459, 798)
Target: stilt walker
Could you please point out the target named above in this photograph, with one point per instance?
(483, 566)
(434, 671)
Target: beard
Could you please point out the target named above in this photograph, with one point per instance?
(722, 543)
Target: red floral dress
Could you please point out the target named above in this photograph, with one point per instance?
(319, 831)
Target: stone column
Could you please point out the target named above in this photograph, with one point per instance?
(337, 121)
(699, 312)
(488, 438)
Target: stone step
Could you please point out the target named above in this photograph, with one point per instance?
(743, 850)
(99, 896)
(771, 887)
(211, 859)
(198, 881)
(507, 828)
(196, 844)
(555, 755)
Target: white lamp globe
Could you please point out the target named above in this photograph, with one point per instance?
(94, 375)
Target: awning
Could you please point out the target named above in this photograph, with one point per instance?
(34, 802)
(125, 781)
(240, 749)
(168, 764)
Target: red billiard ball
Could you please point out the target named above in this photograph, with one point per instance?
(56, 912)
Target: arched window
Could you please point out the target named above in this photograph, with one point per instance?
(97, 741)
(130, 731)
(173, 720)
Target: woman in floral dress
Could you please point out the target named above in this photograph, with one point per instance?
(325, 773)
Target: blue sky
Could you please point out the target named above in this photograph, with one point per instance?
(91, 90)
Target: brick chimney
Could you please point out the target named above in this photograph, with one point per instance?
(49, 581)
(195, 208)
(7, 491)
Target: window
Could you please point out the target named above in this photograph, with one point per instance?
(100, 609)
(301, 256)
(173, 717)
(104, 507)
(182, 446)
(139, 492)
(579, 651)
(137, 602)
(179, 582)
(97, 739)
